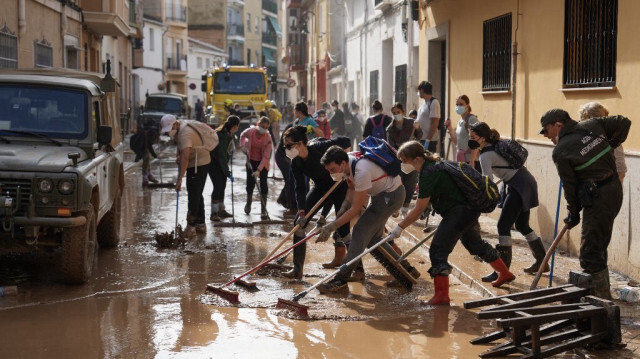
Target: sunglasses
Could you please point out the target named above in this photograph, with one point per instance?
(288, 146)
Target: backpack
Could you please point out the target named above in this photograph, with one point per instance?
(512, 152)
(480, 191)
(208, 136)
(378, 128)
(381, 153)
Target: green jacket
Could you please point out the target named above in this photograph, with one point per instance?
(584, 153)
(222, 152)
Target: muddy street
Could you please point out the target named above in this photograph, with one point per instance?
(144, 302)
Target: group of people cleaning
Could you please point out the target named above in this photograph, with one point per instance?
(369, 194)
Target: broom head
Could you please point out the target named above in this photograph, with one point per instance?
(297, 308)
(228, 295)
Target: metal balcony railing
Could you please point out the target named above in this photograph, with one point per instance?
(176, 62)
(176, 13)
(270, 38)
(235, 30)
(270, 5)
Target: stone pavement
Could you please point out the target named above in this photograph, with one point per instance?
(468, 271)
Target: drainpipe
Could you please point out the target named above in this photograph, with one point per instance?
(514, 68)
(22, 17)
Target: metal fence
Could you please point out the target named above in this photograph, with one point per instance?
(176, 13)
(177, 62)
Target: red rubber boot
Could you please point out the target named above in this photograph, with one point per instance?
(441, 296)
(504, 275)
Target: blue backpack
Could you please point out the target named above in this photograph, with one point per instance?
(381, 153)
(378, 128)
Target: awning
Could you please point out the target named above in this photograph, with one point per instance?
(268, 56)
(275, 25)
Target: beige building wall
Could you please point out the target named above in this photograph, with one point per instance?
(540, 36)
(253, 32)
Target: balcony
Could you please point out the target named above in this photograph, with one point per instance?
(298, 57)
(270, 6)
(270, 38)
(106, 23)
(293, 4)
(137, 58)
(176, 13)
(176, 62)
(235, 30)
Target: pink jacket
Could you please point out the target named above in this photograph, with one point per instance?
(258, 147)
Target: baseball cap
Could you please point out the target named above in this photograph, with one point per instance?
(166, 122)
(553, 116)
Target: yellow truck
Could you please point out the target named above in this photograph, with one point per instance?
(242, 85)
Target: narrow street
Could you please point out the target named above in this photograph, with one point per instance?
(145, 302)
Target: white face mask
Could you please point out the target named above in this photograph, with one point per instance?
(397, 117)
(460, 110)
(419, 94)
(339, 176)
(291, 153)
(407, 168)
(261, 130)
(172, 133)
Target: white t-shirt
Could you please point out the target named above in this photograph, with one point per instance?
(426, 112)
(188, 137)
(462, 133)
(366, 173)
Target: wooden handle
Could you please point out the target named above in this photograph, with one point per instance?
(306, 217)
(534, 284)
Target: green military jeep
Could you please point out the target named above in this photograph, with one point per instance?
(61, 165)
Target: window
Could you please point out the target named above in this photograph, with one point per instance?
(373, 86)
(401, 85)
(151, 40)
(590, 37)
(43, 53)
(8, 49)
(208, 63)
(496, 54)
(72, 57)
(199, 62)
(257, 24)
(248, 22)
(248, 56)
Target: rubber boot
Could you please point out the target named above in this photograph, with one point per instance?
(264, 215)
(299, 254)
(537, 248)
(601, 287)
(340, 253)
(214, 211)
(505, 253)
(441, 295)
(247, 207)
(504, 275)
(145, 180)
(222, 212)
(152, 179)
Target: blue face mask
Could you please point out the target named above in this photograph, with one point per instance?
(460, 110)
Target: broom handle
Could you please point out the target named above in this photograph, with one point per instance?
(256, 268)
(289, 251)
(547, 256)
(306, 217)
(354, 260)
(416, 246)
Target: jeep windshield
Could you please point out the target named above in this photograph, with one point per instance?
(42, 111)
(239, 83)
(164, 104)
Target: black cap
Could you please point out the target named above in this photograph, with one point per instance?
(553, 116)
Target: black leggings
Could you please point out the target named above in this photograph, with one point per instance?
(512, 213)
(218, 179)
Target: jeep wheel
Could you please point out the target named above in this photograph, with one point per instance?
(109, 227)
(78, 250)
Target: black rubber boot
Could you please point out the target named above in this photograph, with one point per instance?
(537, 248)
(247, 207)
(505, 253)
(264, 215)
(299, 254)
(601, 286)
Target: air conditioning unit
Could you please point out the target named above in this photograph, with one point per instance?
(383, 4)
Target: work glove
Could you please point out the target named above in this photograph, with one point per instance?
(572, 219)
(396, 232)
(231, 178)
(256, 174)
(343, 208)
(326, 231)
(300, 220)
(426, 145)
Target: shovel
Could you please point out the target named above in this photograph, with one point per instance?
(303, 310)
(550, 252)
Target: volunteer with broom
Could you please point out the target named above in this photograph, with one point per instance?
(459, 220)
(219, 167)
(256, 144)
(365, 179)
(305, 162)
(521, 195)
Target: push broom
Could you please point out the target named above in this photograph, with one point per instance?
(303, 310)
(233, 205)
(232, 296)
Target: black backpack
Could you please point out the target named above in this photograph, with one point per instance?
(480, 191)
(512, 152)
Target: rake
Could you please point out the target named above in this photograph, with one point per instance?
(303, 310)
(233, 296)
